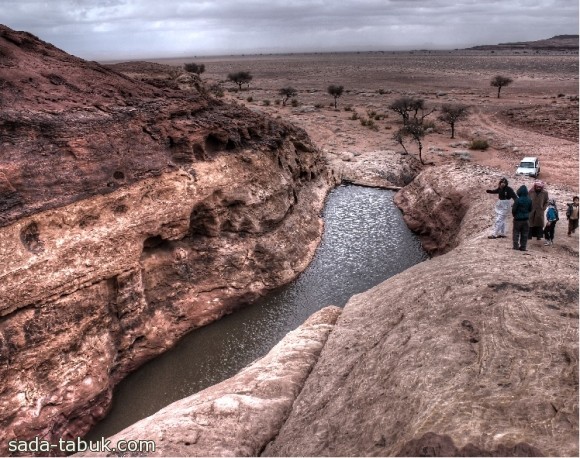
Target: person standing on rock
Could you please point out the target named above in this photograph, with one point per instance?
(502, 207)
(551, 218)
(539, 204)
(572, 216)
(521, 213)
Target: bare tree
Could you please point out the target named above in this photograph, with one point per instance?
(240, 78)
(404, 106)
(287, 93)
(416, 131)
(192, 67)
(451, 114)
(335, 91)
(500, 81)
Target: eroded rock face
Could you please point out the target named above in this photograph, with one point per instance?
(238, 416)
(129, 215)
(471, 353)
(382, 169)
(435, 203)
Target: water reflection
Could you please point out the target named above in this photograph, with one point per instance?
(365, 242)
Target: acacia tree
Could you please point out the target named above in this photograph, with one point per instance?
(451, 114)
(335, 91)
(500, 81)
(240, 78)
(416, 131)
(192, 67)
(404, 106)
(286, 93)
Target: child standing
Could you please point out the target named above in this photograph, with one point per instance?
(551, 218)
(521, 212)
(572, 216)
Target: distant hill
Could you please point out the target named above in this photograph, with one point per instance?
(556, 43)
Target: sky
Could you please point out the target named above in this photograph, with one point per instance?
(125, 29)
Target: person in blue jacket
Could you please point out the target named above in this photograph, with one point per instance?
(551, 218)
(521, 212)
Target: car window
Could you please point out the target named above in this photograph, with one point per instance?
(527, 165)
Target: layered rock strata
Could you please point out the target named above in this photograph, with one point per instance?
(129, 215)
(239, 416)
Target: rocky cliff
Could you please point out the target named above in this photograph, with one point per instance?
(129, 215)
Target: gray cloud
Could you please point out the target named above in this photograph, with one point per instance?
(151, 28)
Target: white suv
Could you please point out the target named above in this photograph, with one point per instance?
(529, 166)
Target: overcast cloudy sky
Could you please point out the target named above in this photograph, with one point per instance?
(118, 29)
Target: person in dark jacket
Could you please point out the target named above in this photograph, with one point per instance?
(502, 207)
(521, 212)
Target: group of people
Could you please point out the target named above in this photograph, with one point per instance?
(528, 210)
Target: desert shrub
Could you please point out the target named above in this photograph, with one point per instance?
(429, 125)
(318, 105)
(216, 90)
(381, 91)
(294, 102)
(388, 127)
(348, 108)
(250, 99)
(479, 144)
(277, 102)
(233, 89)
(354, 116)
(192, 67)
(266, 103)
(369, 123)
(371, 113)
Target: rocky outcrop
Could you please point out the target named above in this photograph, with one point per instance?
(472, 353)
(434, 206)
(129, 215)
(239, 416)
(381, 169)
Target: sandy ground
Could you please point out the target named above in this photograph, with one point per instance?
(537, 115)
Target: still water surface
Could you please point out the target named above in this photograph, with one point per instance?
(365, 242)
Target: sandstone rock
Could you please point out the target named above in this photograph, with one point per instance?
(473, 352)
(131, 213)
(238, 416)
(384, 169)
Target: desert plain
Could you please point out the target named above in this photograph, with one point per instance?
(536, 115)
